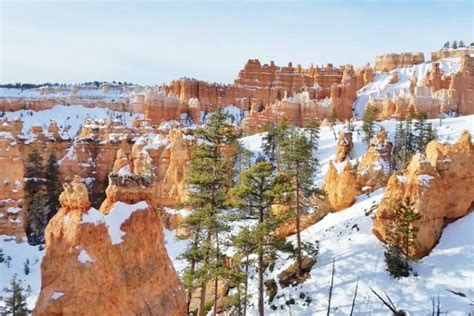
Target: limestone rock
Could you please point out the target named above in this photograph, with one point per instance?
(344, 145)
(442, 187)
(108, 263)
(341, 188)
(374, 168)
(389, 62)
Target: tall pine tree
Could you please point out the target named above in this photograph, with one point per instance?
(53, 184)
(368, 124)
(35, 199)
(299, 162)
(401, 236)
(262, 188)
(15, 303)
(208, 181)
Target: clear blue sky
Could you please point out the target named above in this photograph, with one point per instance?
(152, 42)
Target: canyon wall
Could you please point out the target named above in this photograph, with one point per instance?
(389, 62)
(91, 155)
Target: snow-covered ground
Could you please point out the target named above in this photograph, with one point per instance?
(71, 116)
(381, 87)
(347, 237)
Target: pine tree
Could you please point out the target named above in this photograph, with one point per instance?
(262, 188)
(208, 181)
(402, 237)
(368, 123)
(15, 303)
(420, 128)
(332, 121)
(455, 45)
(53, 184)
(446, 45)
(461, 44)
(271, 141)
(299, 162)
(35, 199)
(424, 132)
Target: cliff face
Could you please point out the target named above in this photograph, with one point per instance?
(389, 62)
(442, 187)
(11, 186)
(443, 85)
(91, 155)
(108, 262)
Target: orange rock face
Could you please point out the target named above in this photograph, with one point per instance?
(442, 187)
(344, 145)
(341, 188)
(374, 169)
(389, 62)
(108, 263)
(11, 186)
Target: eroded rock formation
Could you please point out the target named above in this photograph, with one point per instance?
(441, 184)
(344, 145)
(374, 168)
(389, 62)
(340, 187)
(108, 262)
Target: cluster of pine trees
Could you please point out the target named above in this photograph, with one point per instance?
(41, 188)
(226, 184)
(454, 45)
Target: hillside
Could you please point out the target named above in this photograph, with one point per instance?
(345, 236)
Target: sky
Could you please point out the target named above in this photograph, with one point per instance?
(154, 42)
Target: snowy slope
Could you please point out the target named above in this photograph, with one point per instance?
(72, 116)
(381, 87)
(358, 253)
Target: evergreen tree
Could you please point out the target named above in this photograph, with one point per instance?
(424, 132)
(332, 121)
(53, 184)
(299, 162)
(35, 199)
(368, 124)
(446, 45)
(402, 236)
(208, 181)
(461, 44)
(455, 45)
(15, 303)
(262, 188)
(271, 141)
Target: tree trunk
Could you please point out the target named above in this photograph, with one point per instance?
(202, 303)
(260, 282)
(298, 228)
(190, 290)
(246, 283)
(261, 311)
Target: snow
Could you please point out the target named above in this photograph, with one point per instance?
(119, 214)
(13, 210)
(358, 253)
(66, 116)
(19, 253)
(84, 257)
(381, 87)
(57, 295)
(425, 179)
